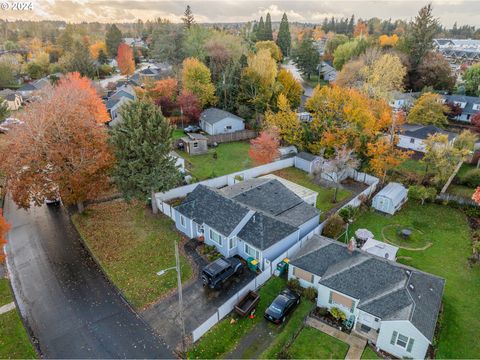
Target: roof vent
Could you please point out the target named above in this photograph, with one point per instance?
(408, 272)
(411, 287)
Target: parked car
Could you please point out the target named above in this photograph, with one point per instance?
(192, 129)
(283, 304)
(219, 271)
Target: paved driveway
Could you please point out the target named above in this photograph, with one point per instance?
(199, 303)
(70, 308)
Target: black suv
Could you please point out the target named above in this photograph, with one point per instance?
(219, 271)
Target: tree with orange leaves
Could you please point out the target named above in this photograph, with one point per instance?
(125, 60)
(165, 88)
(264, 149)
(476, 196)
(361, 29)
(60, 149)
(388, 41)
(384, 156)
(4, 227)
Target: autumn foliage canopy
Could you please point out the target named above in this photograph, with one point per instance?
(476, 196)
(125, 60)
(264, 148)
(61, 148)
(4, 227)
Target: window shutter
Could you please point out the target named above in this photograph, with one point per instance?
(394, 337)
(330, 298)
(410, 345)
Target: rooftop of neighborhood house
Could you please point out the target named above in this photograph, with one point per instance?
(384, 288)
(277, 211)
(423, 132)
(214, 115)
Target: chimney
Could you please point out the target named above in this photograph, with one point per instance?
(352, 245)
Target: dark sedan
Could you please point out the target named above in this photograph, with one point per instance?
(282, 306)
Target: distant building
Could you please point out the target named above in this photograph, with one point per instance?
(413, 136)
(470, 105)
(11, 98)
(216, 121)
(122, 95)
(459, 50)
(137, 42)
(327, 72)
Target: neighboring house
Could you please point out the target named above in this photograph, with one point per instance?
(149, 73)
(402, 101)
(327, 71)
(216, 121)
(390, 199)
(413, 136)
(394, 306)
(305, 161)
(137, 42)
(195, 144)
(470, 105)
(123, 95)
(459, 50)
(257, 218)
(380, 249)
(28, 89)
(12, 99)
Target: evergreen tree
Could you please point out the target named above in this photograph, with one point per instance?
(306, 57)
(188, 18)
(268, 28)
(80, 60)
(284, 39)
(261, 30)
(102, 57)
(351, 26)
(113, 38)
(143, 141)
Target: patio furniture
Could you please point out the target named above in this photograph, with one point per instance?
(349, 322)
(405, 233)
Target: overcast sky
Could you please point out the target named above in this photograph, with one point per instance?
(448, 11)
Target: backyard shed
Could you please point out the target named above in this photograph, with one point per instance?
(195, 144)
(390, 198)
(304, 161)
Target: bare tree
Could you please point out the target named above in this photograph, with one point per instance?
(336, 167)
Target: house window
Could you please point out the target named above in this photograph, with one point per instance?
(339, 299)
(229, 127)
(302, 274)
(252, 252)
(215, 237)
(412, 140)
(182, 220)
(195, 144)
(232, 243)
(402, 341)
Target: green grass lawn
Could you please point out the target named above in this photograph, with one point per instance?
(288, 332)
(412, 165)
(178, 133)
(417, 240)
(224, 336)
(447, 257)
(314, 344)
(461, 190)
(132, 246)
(313, 81)
(325, 195)
(369, 354)
(231, 157)
(14, 341)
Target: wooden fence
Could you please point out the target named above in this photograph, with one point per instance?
(234, 136)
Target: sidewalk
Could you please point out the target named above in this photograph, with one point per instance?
(356, 344)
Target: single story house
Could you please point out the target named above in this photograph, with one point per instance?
(122, 95)
(12, 99)
(380, 249)
(305, 161)
(402, 101)
(306, 194)
(195, 144)
(327, 72)
(216, 121)
(393, 306)
(29, 88)
(470, 105)
(137, 42)
(413, 136)
(390, 199)
(257, 218)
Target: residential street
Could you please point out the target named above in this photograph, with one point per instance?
(71, 309)
(296, 73)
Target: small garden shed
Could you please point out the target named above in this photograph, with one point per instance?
(390, 198)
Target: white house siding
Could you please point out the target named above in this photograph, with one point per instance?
(368, 319)
(407, 142)
(220, 127)
(302, 164)
(406, 328)
(281, 246)
(243, 254)
(187, 229)
(223, 248)
(309, 226)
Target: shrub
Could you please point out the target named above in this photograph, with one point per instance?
(471, 178)
(333, 227)
(338, 314)
(310, 293)
(422, 193)
(294, 284)
(321, 311)
(348, 213)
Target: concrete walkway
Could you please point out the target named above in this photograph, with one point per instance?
(6, 308)
(356, 344)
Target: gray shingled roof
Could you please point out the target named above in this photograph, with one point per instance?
(205, 205)
(306, 156)
(214, 115)
(424, 132)
(263, 231)
(469, 100)
(386, 289)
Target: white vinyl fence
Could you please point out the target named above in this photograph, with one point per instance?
(257, 282)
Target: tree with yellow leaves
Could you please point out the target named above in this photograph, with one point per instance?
(96, 47)
(388, 41)
(386, 75)
(290, 87)
(428, 110)
(197, 80)
(285, 121)
(272, 47)
(384, 156)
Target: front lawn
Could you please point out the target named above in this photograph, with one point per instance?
(132, 245)
(14, 340)
(449, 233)
(224, 336)
(314, 344)
(325, 195)
(369, 354)
(230, 158)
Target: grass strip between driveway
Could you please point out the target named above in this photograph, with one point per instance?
(314, 344)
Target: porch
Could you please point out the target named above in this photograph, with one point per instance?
(365, 332)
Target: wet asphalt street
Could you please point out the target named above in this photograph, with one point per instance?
(70, 308)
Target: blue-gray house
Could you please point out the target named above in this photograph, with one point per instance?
(258, 218)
